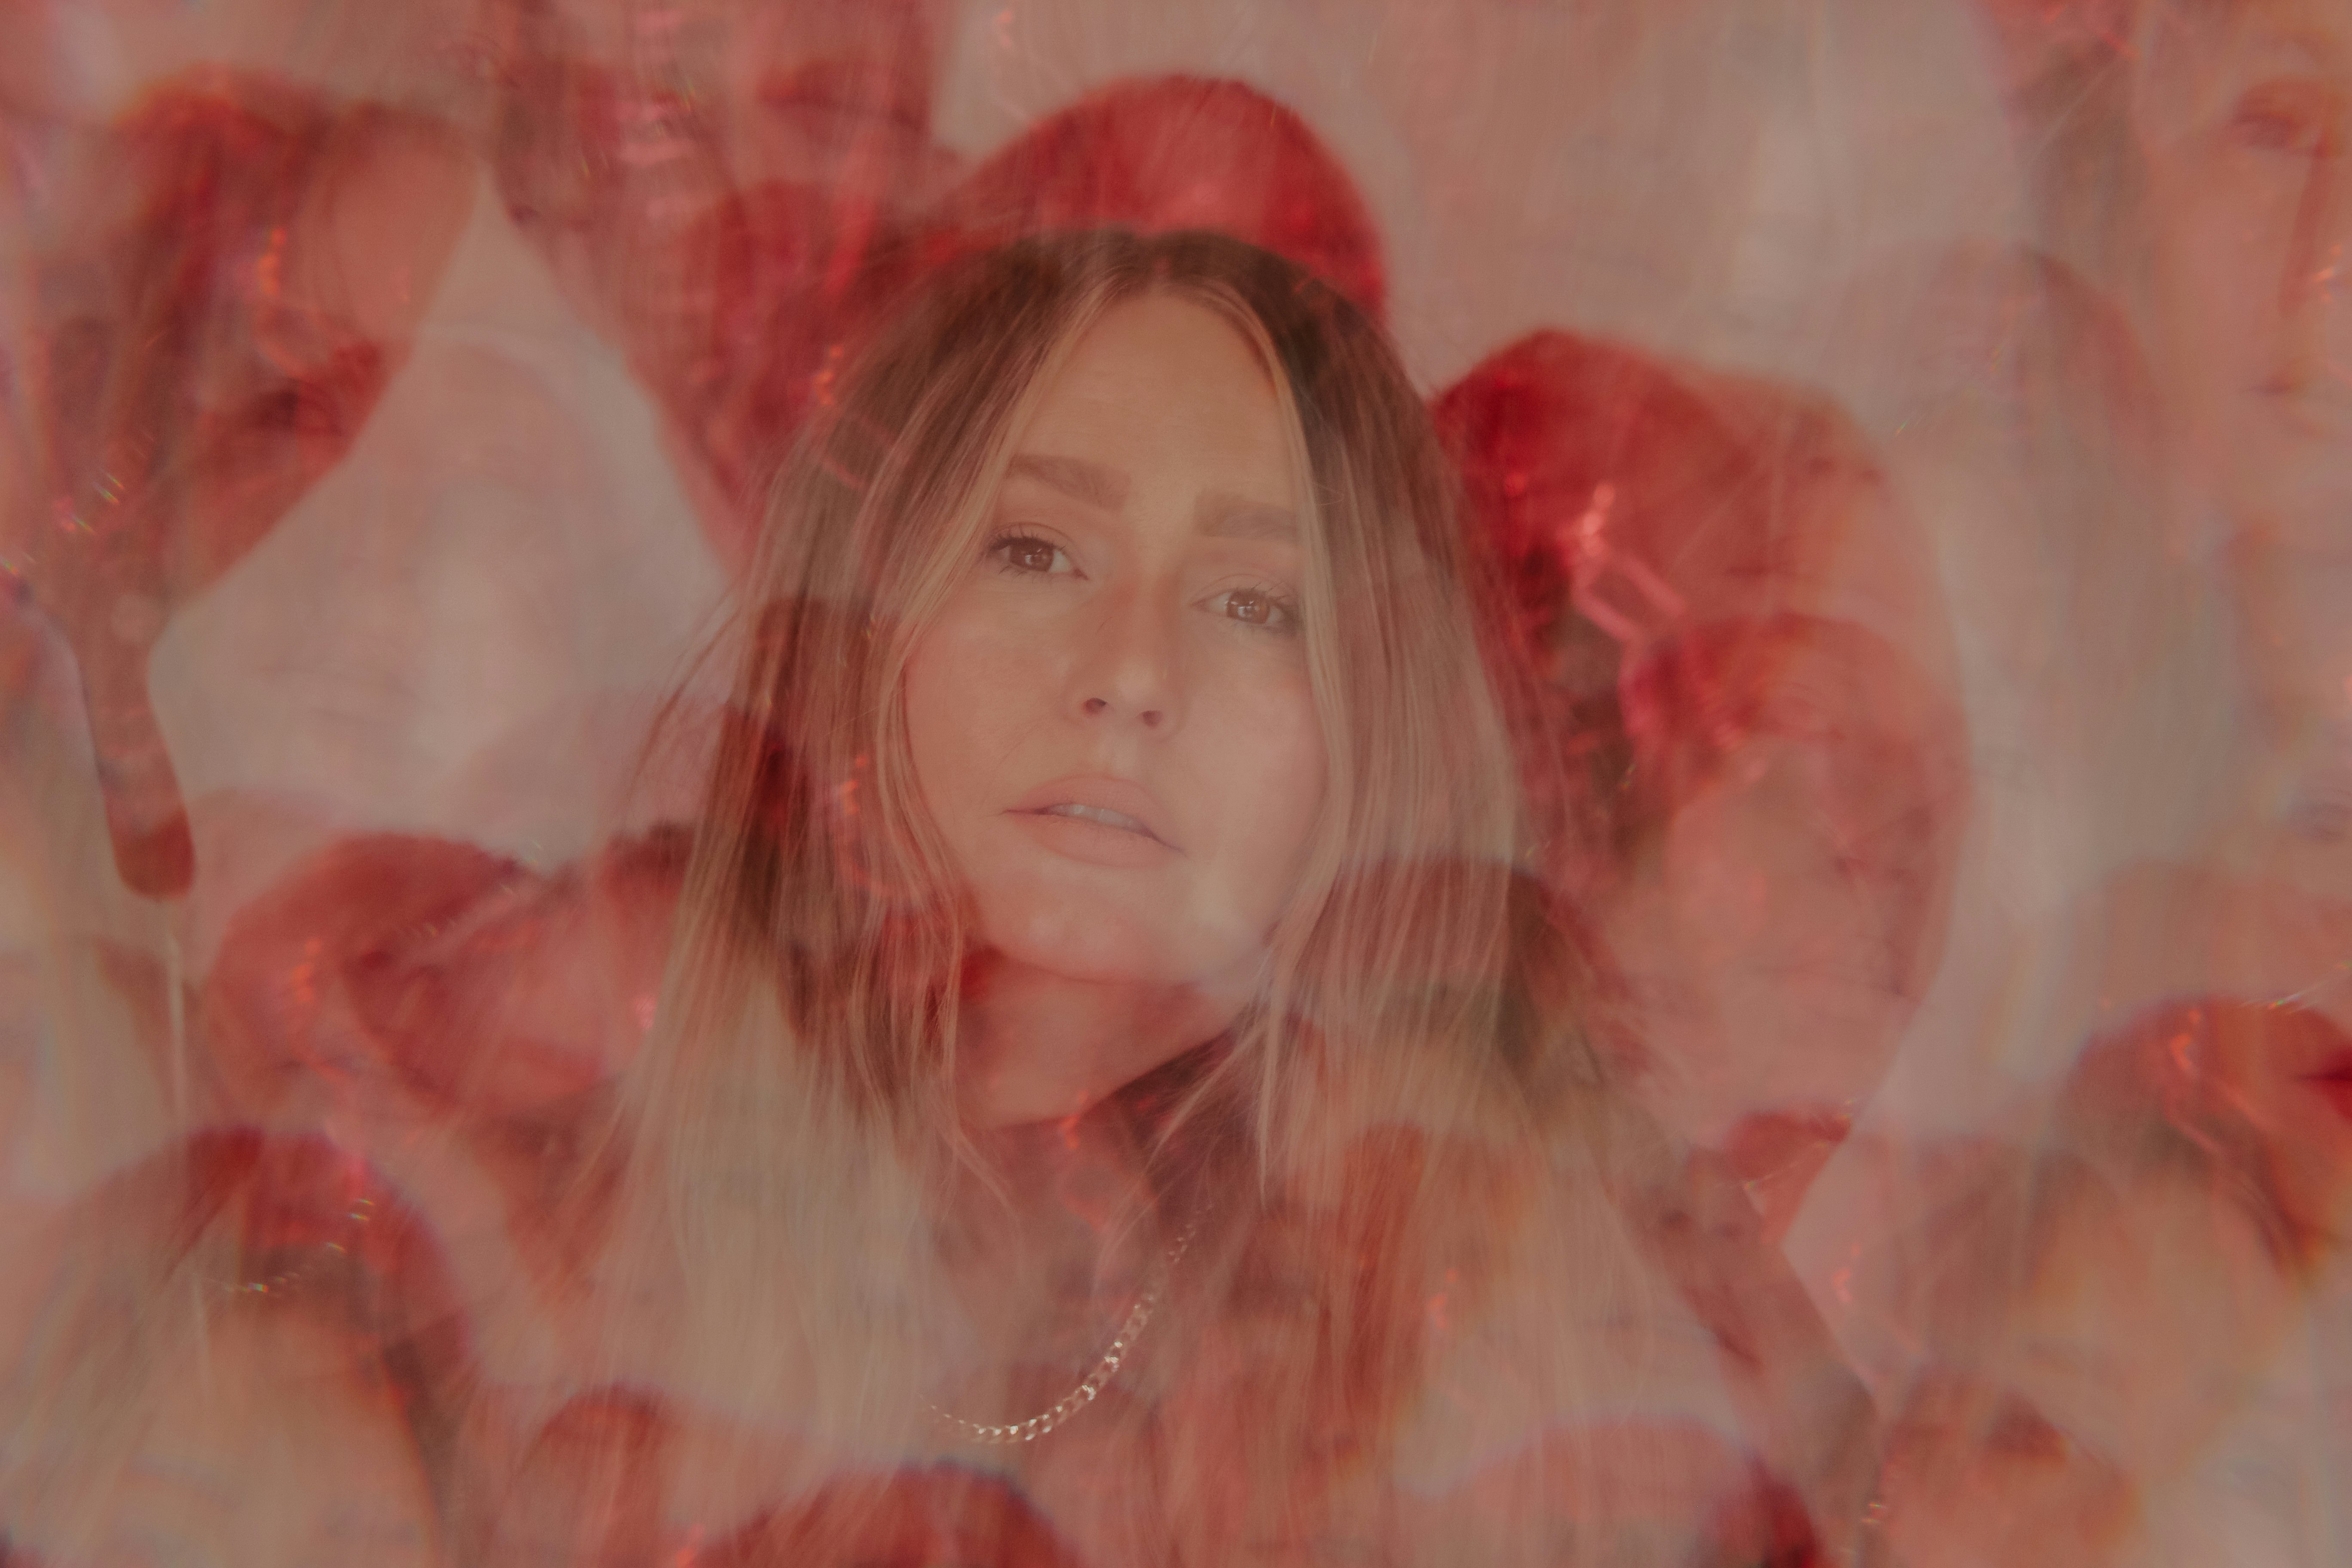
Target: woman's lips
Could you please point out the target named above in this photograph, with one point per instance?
(1093, 818)
(1101, 814)
(1116, 803)
(1097, 841)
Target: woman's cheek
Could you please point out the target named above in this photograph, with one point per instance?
(1287, 769)
(973, 687)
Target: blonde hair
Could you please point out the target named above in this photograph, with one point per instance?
(792, 1110)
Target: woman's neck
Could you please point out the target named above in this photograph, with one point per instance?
(1062, 1225)
(1048, 1243)
(1036, 1047)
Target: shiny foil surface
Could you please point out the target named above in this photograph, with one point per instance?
(1617, 828)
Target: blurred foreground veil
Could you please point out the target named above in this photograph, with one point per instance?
(1919, 577)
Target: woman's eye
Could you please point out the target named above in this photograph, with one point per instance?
(1026, 554)
(2297, 118)
(1257, 608)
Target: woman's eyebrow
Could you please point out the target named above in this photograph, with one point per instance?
(1089, 482)
(1231, 517)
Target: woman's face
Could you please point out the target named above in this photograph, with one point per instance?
(1110, 716)
(2244, 121)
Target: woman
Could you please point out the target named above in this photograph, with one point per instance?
(1106, 1051)
(1112, 1100)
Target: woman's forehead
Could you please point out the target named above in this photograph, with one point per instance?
(1157, 392)
(1159, 341)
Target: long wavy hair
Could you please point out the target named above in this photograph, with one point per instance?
(793, 1112)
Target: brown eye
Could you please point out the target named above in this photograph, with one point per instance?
(1020, 553)
(1257, 608)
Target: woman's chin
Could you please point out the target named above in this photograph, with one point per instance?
(1103, 943)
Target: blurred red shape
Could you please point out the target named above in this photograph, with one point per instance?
(591, 1490)
(778, 284)
(587, 1492)
(2262, 1092)
(215, 325)
(391, 980)
(1701, 482)
(479, 985)
(906, 1518)
(1627, 1489)
(1178, 153)
(293, 1218)
(1668, 538)
(1760, 799)
(734, 304)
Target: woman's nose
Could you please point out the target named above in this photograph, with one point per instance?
(1127, 669)
(2319, 282)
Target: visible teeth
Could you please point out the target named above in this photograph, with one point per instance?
(1103, 815)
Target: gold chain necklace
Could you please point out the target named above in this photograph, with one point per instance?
(1093, 1384)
